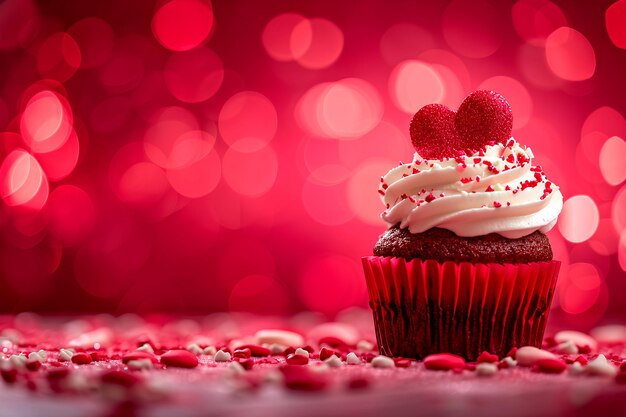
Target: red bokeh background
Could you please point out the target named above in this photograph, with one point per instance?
(183, 156)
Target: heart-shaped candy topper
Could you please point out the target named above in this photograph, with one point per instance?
(484, 118)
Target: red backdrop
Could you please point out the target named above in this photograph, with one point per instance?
(183, 156)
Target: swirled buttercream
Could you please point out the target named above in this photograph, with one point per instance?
(497, 190)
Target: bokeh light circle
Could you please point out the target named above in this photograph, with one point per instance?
(621, 254)
(181, 25)
(58, 57)
(326, 204)
(579, 287)
(248, 114)
(276, 37)
(613, 160)
(95, 39)
(60, 163)
(615, 18)
(404, 41)
(46, 123)
(535, 20)
(23, 182)
(71, 213)
(250, 173)
(618, 210)
(316, 43)
(414, 84)
(472, 28)
(516, 94)
(197, 179)
(579, 218)
(193, 76)
(143, 183)
(570, 55)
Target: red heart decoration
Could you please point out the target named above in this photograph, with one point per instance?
(484, 118)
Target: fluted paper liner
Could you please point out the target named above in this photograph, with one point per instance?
(423, 307)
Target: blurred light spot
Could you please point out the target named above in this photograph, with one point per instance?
(570, 55)
(349, 108)
(579, 288)
(414, 84)
(71, 214)
(618, 210)
(447, 59)
(404, 41)
(579, 219)
(330, 174)
(22, 181)
(58, 57)
(306, 110)
(46, 123)
(16, 22)
(194, 76)
(534, 66)
(173, 140)
(277, 37)
(613, 160)
(606, 239)
(95, 39)
(248, 114)
(606, 120)
(516, 94)
(316, 43)
(330, 284)
(181, 25)
(197, 179)
(366, 204)
(316, 152)
(259, 294)
(143, 183)
(615, 18)
(535, 20)
(60, 163)
(472, 28)
(250, 173)
(327, 205)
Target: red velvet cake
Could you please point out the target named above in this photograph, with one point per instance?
(465, 266)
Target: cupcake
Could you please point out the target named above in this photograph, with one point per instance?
(465, 265)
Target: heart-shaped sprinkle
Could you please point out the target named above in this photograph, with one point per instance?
(484, 118)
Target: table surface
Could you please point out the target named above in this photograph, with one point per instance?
(221, 388)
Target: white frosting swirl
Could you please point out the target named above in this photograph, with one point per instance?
(497, 190)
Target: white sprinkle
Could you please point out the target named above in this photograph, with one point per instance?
(528, 355)
(146, 347)
(221, 356)
(140, 364)
(209, 350)
(601, 367)
(365, 346)
(42, 353)
(576, 369)
(277, 348)
(18, 361)
(282, 337)
(236, 368)
(302, 352)
(36, 356)
(612, 333)
(65, 355)
(195, 349)
(486, 369)
(333, 362)
(579, 339)
(568, 347)
(381, 361)
(510, 362)
(352, 359)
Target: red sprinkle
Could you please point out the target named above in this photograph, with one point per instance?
(81, 358)
(489, 189)
(247, 363)
(551, 366)
(242, 353)
(512, 352)
(430, 197)
(443, 362)
(179, 358)
(33, 365)
(487, 357)
(294, 359)
(9, 375)
(402, 362)
(256, 350)
(326, 353)
(358, 382)
(497, 204)
(137, 355)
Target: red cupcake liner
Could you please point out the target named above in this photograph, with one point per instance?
(424, 307)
